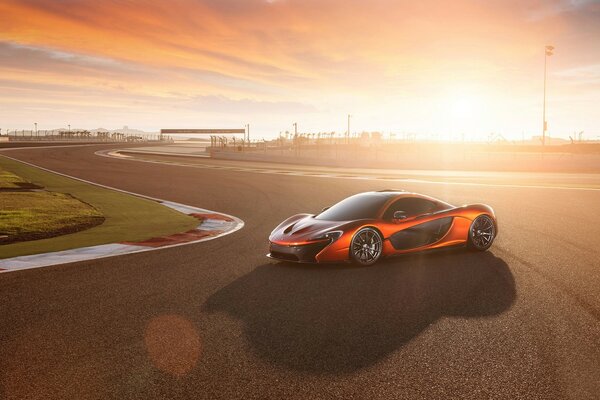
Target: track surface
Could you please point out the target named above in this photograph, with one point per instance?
(219, 320)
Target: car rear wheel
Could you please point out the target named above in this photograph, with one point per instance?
(482, 233)
(366, 247)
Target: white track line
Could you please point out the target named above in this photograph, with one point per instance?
(113, 249)
(50, 147)
(117, 155)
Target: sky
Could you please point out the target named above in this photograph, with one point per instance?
(433, 69)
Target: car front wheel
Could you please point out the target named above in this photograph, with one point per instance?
(366, 247)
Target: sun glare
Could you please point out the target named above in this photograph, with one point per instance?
(463, 107)
(460, 112)
(462, 104)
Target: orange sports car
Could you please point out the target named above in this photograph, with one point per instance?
(367, 226)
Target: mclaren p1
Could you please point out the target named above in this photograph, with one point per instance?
(368, 226)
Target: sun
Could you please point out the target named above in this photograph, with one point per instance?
(463, 111)
(462, 104)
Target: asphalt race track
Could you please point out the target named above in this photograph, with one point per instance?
(219, 320)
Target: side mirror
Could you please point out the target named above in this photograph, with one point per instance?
(325, 208)
(399, 215)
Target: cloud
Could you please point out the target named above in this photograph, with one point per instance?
(291, 56)
(556, 7)
(42, 64)
(288, 43)
(220, 104)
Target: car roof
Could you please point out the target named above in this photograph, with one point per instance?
(395, 194)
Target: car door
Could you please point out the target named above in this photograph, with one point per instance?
(419, 235)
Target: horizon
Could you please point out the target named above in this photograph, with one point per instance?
(445, 70)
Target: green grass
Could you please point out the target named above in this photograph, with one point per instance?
(9, 180)
(127, 218)
(41, 214)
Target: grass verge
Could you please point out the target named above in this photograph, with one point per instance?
(10, 181)
(28, 215)
(127, 218)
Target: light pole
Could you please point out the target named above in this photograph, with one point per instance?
(295, 141)
(248, 133)
(348, 133)
(548, 51)
(35, 123)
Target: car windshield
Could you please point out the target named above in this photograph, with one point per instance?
(359, 206)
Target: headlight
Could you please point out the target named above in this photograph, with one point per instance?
(332, 236)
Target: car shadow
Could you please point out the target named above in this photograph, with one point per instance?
(338, 319)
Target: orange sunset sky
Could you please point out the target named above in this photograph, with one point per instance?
(425, 67)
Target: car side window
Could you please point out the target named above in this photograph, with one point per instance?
(410, 205)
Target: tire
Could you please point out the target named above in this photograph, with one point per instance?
(366, 247)
(482, 233)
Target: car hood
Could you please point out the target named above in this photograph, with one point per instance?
(303, 228)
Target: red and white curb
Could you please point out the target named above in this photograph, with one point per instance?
(212, 225)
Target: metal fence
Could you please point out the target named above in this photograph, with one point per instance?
(80, 135)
